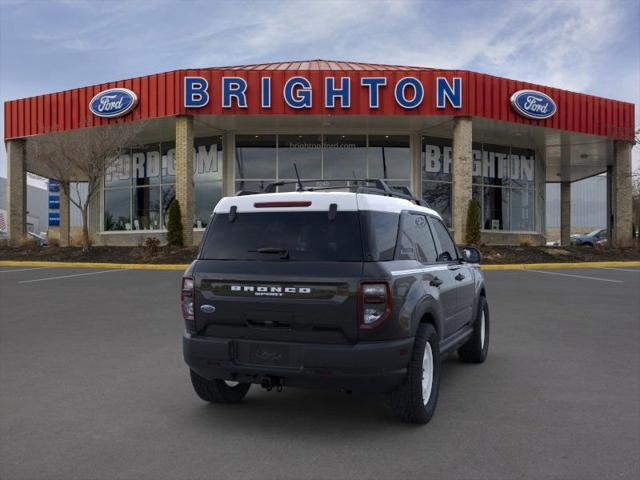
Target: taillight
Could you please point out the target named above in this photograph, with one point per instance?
(186, 299)
(374, 304)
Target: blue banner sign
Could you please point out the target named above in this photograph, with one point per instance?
(54, 219)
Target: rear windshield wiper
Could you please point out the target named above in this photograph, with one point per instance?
(283, 252)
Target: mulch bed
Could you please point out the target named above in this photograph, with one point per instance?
(172, 255)
(500, 255)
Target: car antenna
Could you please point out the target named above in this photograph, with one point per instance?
(300, 187)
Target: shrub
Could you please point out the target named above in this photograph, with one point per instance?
(152, 246)
(472, 236)
(174, 227)
(29, 243)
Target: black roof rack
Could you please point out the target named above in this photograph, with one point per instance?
(373, 186)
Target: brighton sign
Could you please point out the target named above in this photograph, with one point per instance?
(533, 104)
(113, 103)
(298, 93)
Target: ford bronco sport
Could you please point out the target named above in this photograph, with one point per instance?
(358, 288)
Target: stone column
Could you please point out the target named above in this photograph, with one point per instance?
(462, 175)
(65, 216)
(184, 174)
(565, 213)
(621, 183)
(16, 191)
(228, 164)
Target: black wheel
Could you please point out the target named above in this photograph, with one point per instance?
(218, 391)
(476, 348)
(415, 400)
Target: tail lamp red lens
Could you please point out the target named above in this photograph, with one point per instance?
(374, 304)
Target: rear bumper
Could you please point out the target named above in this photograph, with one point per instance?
(369, 367)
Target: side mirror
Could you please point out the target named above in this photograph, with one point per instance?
(471, 254)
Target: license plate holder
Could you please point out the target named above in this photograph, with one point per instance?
(268, 354)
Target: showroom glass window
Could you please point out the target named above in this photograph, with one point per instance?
(503, 183)
(261, 159)
(437, 175)
(117, 194)
(140, 185)
(207, 178)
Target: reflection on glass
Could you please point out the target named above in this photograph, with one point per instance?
(207, 160)
(438, 197)
(495, 164)
(389, 156)
(255, 156)
(168, 162)
(496, 208)
(118, 173)
(117, 203)
(168, 195)
(206, 197)
(303, 150)
(146, 165)
(345, 156)
(437, 163)
(476, 154)
(522, 210)
(146, 208)
(252, 185)
(522, 167)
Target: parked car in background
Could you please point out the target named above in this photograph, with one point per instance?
(591, 239)
(40, 239)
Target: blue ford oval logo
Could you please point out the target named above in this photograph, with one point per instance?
(533, 104)
(114, 102)
(207, 308)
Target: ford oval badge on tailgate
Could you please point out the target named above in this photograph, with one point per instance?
(207, 308)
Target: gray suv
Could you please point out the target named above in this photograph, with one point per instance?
(354, 288)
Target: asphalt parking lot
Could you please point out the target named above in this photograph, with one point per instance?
(93, 386)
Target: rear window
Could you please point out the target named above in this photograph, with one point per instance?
(284, 236)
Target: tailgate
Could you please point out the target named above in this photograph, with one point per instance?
(279, 301)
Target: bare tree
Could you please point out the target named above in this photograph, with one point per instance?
(82, 156)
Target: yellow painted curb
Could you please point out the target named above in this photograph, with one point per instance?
(151, 266)
(132, 266)
(525, 266)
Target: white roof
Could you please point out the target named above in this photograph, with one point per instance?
(319, 201)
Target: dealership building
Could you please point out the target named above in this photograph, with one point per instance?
(448, 135)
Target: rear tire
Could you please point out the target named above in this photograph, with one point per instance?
(415, 400)
(475, 349)
(218, 391)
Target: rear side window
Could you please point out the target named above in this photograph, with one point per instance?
(304, 236)
(380, 231)
(448, 250)
(416, 241)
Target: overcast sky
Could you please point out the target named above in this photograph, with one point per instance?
(581, 45)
